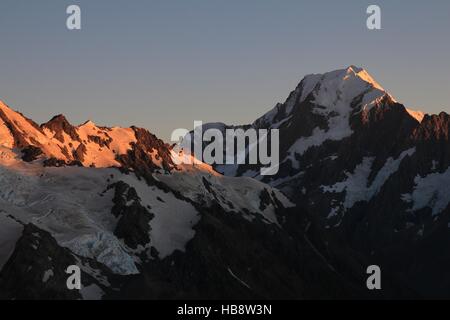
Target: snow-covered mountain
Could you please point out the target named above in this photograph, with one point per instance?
(89, 145)
(362, 180)
(112, 201)
(369, 170)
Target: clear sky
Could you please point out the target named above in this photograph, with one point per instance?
(163, 64)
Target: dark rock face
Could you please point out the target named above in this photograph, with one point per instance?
(139, 159)
(229, 258)
(58, 125)
(434, 128)
(36, 269)
(19, 140)
(381, 228)
(101, 142)
(320, 249)
(233, 258)
(267, 198)
(122, 194)
(53, 162)
(31, 153)
(80, 153)
(134, 219)
(134, 226)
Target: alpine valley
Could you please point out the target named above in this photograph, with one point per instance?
(362, 181)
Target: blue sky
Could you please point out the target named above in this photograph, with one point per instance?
(163, 64)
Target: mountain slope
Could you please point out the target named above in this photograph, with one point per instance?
(362, 179)
(168, 235)
(61, 143)
(111, 201)
(372, 172)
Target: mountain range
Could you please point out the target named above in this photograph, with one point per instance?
(362, 181)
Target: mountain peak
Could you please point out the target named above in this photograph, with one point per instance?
(416, 114)
(348, 74)
(334, 92)
(88, 123)
(59, 117)
(355, 69)
(364, 76)
(59, 124)
(58, 120)
(342, 85)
